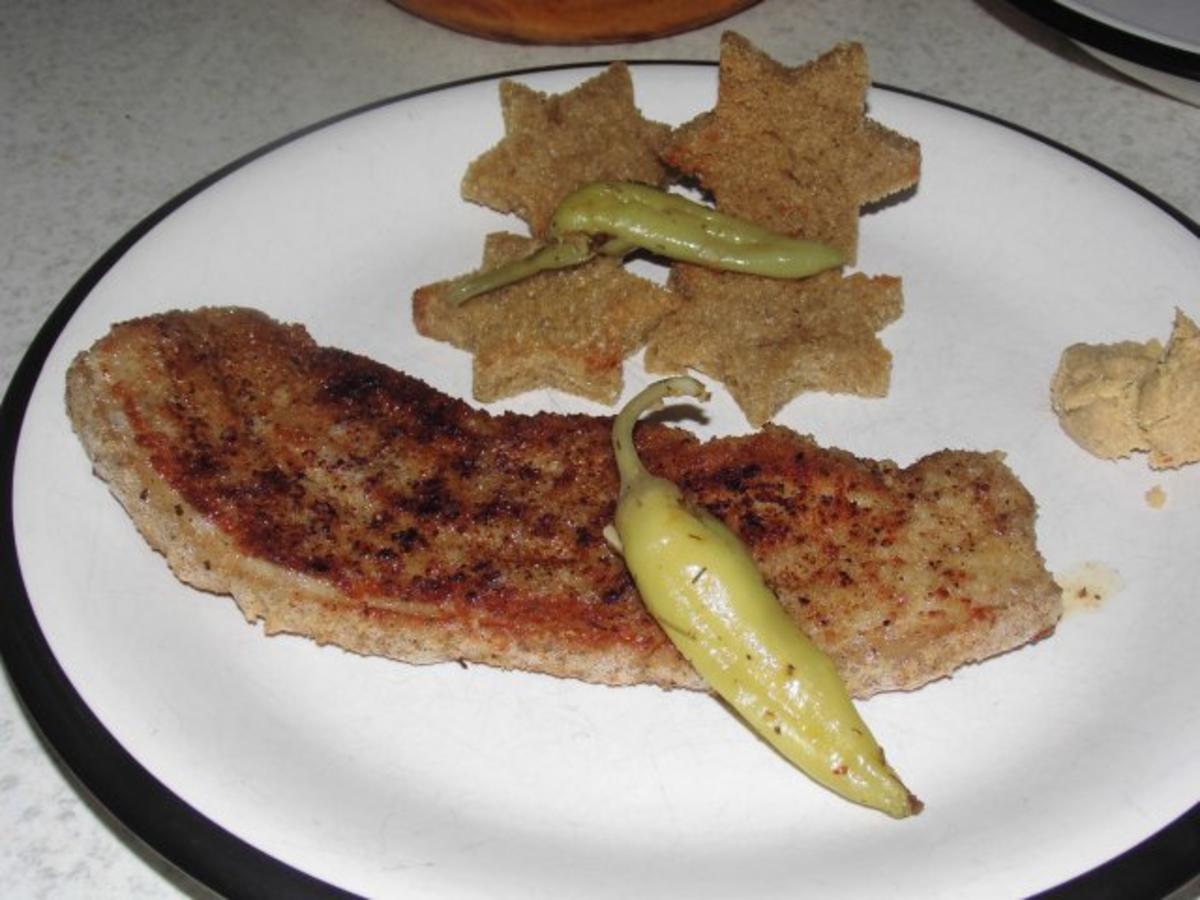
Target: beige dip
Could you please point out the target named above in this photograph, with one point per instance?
(1118, 399)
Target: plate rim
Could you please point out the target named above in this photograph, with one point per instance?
(1102, 36)
(102, 769)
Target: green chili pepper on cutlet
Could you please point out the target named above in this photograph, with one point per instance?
(614, 218)
(702, 585)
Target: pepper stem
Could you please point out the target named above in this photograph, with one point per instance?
(572, 250)
(629, 465)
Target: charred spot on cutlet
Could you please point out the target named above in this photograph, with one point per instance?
(431, 498)
(409, 539)
(349, 383)
(734, 478)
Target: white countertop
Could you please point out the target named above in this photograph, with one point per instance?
(113, 107)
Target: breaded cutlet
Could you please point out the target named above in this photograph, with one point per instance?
(336, 498)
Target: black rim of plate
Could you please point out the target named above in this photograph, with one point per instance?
(1126, 45)
(218, 858)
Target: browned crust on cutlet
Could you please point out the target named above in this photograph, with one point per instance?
(336, 498)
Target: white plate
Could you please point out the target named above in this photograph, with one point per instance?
(1156, 42)
(387, 779)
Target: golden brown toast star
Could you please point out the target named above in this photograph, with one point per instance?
(556, 143)
(770, 339)
(569, 329)
(792, 148)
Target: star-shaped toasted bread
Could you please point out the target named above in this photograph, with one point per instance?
(556, 143)
(770, 339)
(569, 329)
(792, 148)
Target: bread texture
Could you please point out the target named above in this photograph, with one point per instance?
(787, 148)
(336, 498)
(791, 147)
(569, 329)
(555, 143)
(769, 339)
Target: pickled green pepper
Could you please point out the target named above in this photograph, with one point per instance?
(701, 584)
(673, 226)
(614, 218)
